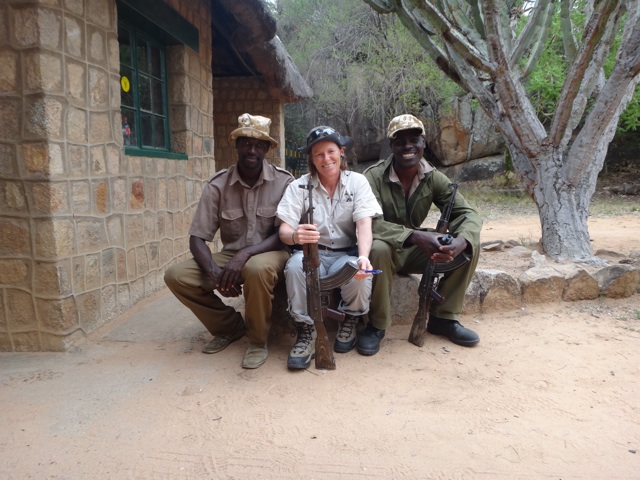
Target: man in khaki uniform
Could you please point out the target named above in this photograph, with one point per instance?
(240, 202)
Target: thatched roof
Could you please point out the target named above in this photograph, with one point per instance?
(245, 43)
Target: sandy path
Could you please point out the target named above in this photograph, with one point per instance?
(550, 392)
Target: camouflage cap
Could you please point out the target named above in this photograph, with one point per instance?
(253, 126)
(404, 122)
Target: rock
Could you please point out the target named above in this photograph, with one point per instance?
(542, 284)
(580, 285)
(492, 247)
(492, 290)
(537, 260)
(618, 281)
(520, 252)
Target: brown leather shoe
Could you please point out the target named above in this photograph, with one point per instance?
(220, 342)
(254, 356)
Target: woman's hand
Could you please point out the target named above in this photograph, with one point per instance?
(306, 233)
(363, 264)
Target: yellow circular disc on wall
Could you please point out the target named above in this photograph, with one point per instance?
(124, 82)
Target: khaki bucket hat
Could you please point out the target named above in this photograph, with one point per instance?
(253, 126)
(404, 122)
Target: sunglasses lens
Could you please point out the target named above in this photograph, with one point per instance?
(320, 132)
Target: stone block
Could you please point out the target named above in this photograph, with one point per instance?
(134, 229)
(8, 160)
(57, 316)
(77, 125)
(78, 156)
(76, 82)
(136, 198)
(5, 339)
(8, 72)
(542, 285)
(142, 262)
(15, 272)
(74, 36)
(119, 194)
(14, 196)
(131, 264)
(124, 298)
(581, 285)
(60, 343)
(101, 13)
(43, 72)
(115, 231)
(92, 234)
(618, 281)
(10, 118)
(109, 267)
(42, 158)
(92, 275)
(53, 279)
(109, 306)
(25, 342)
(16, 239)
(21, 314)
(81, 197)
(121, 265)
(97, 48)
(101, 196)
(89, 310)
(98, 88)
(50, 197)
(43, 117)
(79, 274)
(491, 290)
(100, 128)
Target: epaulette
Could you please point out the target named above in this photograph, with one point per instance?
(217, 174)
(282, 170)
(382, 160)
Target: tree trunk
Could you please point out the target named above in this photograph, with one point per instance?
(563, 209)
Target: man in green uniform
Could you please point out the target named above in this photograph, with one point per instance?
(406, 185)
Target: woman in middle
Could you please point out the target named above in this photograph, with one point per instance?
(344, 206)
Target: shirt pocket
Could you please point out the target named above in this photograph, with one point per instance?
(265, 218)
(232, 224)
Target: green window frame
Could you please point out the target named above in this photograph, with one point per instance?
(144, 104)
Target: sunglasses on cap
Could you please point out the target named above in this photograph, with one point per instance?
(319, 133)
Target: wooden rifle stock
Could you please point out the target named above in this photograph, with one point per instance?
(311, 264)
(433, 271)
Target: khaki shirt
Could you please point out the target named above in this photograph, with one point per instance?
(353, 200)
(244, 215)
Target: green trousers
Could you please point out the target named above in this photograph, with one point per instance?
(260, 275)
(411, 260)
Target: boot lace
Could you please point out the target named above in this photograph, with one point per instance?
(346, 328)
(305, 337)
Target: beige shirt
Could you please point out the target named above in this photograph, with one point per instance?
(335, 217)
(244, 215)
(423, 168)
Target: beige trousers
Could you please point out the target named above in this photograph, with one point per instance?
(260, 275)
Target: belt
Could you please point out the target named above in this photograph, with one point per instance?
(326, 249)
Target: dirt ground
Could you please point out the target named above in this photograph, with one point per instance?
(551, 392)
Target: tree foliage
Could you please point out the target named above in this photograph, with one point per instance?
(491, 48)
(359, 63)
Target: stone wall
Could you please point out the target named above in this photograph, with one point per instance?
(86, 231)
(235, 96)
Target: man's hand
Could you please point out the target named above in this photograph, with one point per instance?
(230, 277)
(432, 248)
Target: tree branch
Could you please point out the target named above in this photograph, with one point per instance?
(530, 31)
(593, 33)
(511, 93)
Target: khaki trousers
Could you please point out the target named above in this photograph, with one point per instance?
(453, 285)
(260, 275)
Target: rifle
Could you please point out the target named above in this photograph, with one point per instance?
(433, 272)
(318, 293)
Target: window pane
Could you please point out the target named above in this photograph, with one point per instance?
(147, 133)
(124, 39)
(156, 66)
(159, 132)
(128, 127)
(158, 98)
(144, 85)
(126, 87)
(143, 55)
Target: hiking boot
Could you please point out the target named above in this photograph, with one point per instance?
(255, 356)
(304, 350)
(369, 341)
(220, 342)
(453, 331)
(346, 336)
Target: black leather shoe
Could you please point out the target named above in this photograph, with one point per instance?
(368, 342)
(453, 331)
